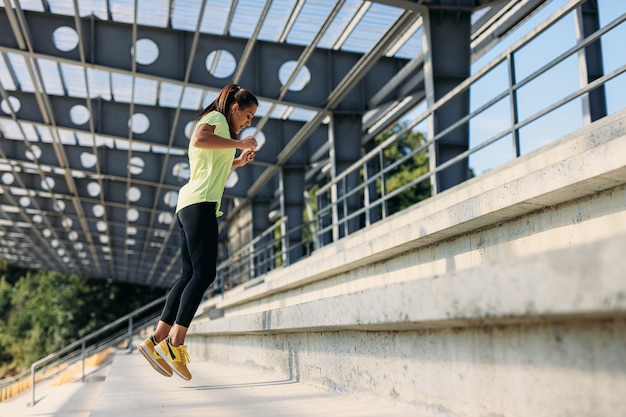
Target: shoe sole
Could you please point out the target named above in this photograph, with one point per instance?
(169, 362)
(157, 367)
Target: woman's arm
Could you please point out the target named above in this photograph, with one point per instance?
(205, 138)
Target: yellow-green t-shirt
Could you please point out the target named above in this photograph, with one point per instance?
(208, 168)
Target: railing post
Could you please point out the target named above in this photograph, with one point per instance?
(32, 374)
(130, 334)
(82, 358)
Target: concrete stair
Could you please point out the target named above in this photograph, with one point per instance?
(503, 296)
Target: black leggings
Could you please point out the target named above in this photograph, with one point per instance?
(198, 248)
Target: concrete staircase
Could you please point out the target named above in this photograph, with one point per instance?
(505, 295)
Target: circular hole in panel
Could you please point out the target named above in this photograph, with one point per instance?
(136, 165)
(232, 179)
(79, 114)
(133, 194)
(221, 63)
(189, 129)
(65, 38)
(101, 226)
(8, 178)
(24, 201)
(33, 153)
(82, 255)
(93, 188)
(47, 233)
(11, 102)
(54, 243)
(79, 246)
(59, 206)
(104, 239)
(67, 222)
(61, 252)
(166, 218)
(170, 198)
(273, 215)
(260, 137)
(73, 235)
(132, 215)
(139, 123)
(38, 218)
(88, 160)
(130, 242)
(98, 210)
(302, 79)
(131, 231)
(147, 51)
(180, 171)
(48, 183)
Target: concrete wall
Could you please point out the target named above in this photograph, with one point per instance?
(505, 295)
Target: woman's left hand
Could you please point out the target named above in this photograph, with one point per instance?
(247, 155)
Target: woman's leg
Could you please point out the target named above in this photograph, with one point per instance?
(162, 331)
(200, 225)
(199, 235)
(172, 302)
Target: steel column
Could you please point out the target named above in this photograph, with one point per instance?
(590, 61)
(447, 64)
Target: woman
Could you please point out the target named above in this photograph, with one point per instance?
(211, 158)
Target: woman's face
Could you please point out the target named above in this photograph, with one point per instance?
(241, 117)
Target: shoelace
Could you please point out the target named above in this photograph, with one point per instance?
(182, 352)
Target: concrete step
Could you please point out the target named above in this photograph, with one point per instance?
(134, 389)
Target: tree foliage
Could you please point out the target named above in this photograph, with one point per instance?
(43, 311)
(404, 163)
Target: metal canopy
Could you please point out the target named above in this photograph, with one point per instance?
(98, 98)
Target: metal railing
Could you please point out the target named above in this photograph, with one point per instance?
(267, 251)
(338, 215)
(113, 334)
(360, 195)
(110, 335)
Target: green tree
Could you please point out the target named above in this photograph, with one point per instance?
(44, 305)
(45, 311)
(410, 165)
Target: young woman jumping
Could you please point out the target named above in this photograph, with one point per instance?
(211, 157)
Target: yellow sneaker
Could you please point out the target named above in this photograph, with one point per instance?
(176, 357)
(147, 350)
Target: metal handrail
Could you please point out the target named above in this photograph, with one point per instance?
(328, 208)
(244, 264)
(70, 353)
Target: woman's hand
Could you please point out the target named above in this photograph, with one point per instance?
(242, 160)
(249, 142)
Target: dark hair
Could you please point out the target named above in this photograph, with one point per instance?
(230, 95)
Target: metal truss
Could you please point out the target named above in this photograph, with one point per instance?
(97, 99)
